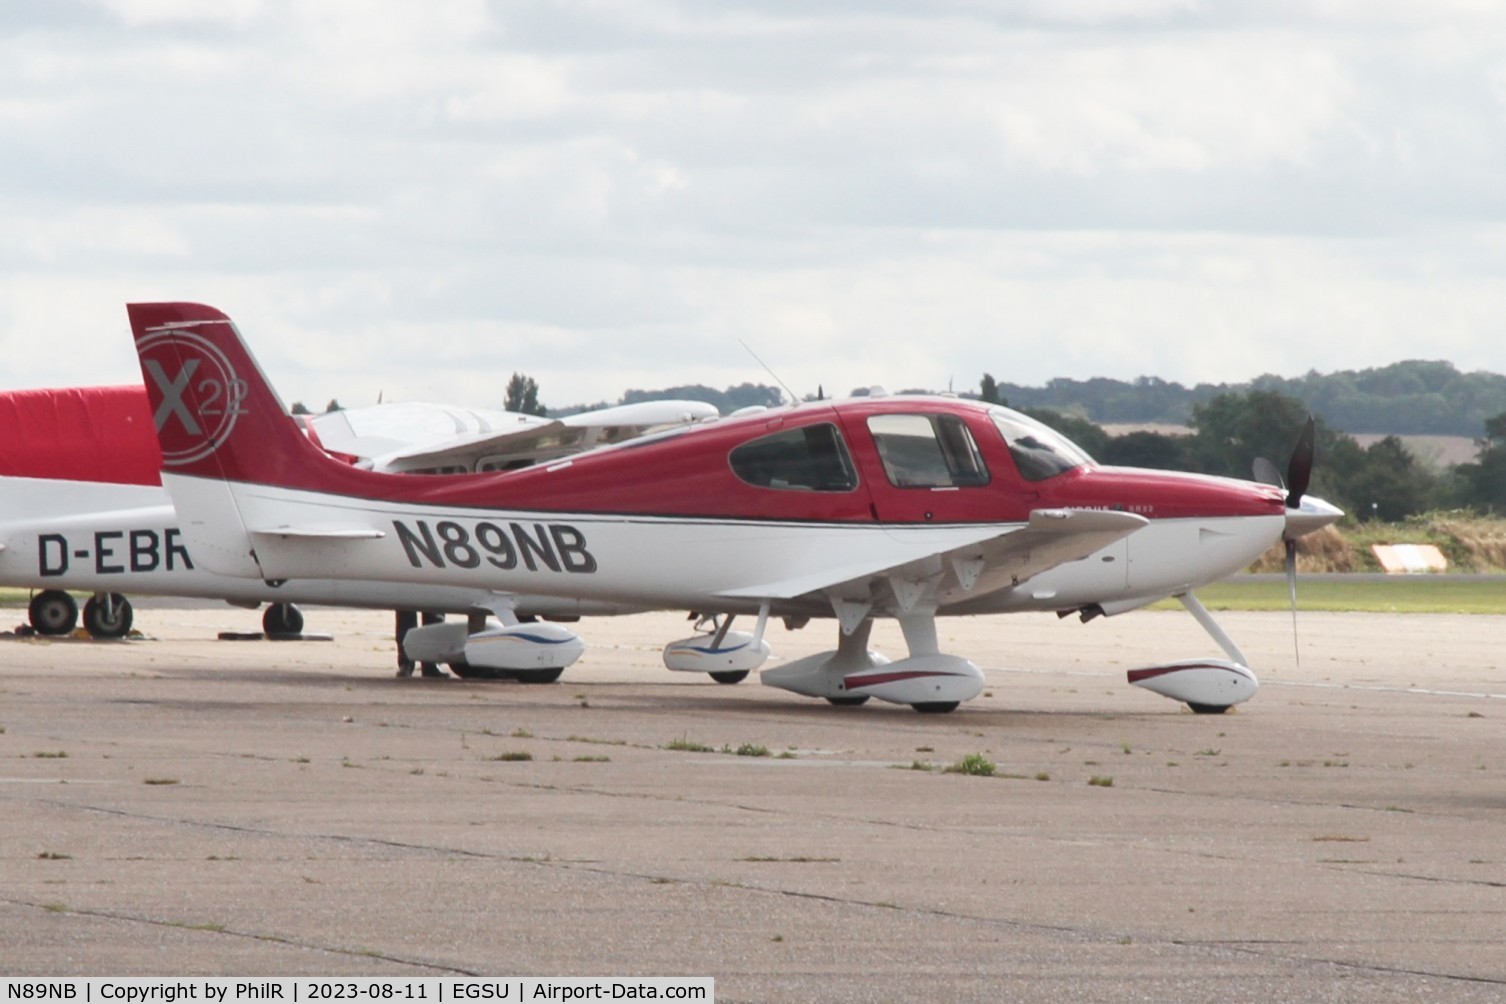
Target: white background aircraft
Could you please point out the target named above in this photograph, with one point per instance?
(910, 508)
(81, 508)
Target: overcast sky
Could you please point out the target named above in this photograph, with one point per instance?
(417, 199)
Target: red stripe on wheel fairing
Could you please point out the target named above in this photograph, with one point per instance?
(1137, 675)
(852, 682)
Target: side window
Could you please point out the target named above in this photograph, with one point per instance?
(927, 451)
(811, 458)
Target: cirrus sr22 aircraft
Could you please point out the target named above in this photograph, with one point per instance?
(902, 507)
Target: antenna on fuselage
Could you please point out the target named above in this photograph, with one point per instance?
(794, 398)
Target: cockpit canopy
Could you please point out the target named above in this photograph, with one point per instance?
(917, 449)
(1039, 451)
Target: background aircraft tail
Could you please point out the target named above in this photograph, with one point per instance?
(78, 434)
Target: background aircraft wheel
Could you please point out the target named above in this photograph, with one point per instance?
(537, 675)
(108, 620)
(282, 618)
(53, 612)
(936, 707)
(848, 702)
(730, 676)
(1208, 709)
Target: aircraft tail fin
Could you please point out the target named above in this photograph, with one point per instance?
(215, 413)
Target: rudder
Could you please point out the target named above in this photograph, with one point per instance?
(215, 413)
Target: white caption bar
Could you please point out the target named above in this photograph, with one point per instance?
(302, 990)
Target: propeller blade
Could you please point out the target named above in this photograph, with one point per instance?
(1291, 588)
(1299, 470)
(1267, 473)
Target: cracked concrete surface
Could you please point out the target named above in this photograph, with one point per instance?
(179, 805)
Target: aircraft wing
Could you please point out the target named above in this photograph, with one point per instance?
(994, 560)
(1052, 537)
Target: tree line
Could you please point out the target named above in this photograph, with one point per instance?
(1383, 481)
(1415, 397)
(1229, 429)
(1231, 426)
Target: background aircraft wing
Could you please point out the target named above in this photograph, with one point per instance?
(499, 441)
(493, 450)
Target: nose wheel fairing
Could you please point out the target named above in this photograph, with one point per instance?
(1204, 685)
(1207, 686)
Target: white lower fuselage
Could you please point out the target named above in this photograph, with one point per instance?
(108, 538)
(703, 564)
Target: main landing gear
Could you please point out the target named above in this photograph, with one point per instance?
(725, 655)
(489, 646)
(53, 612)
(282, 620)
(106, 615)
(928, 680)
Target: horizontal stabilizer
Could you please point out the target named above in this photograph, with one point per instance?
(321, 532)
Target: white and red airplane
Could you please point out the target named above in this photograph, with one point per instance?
(82, 508)
(902, 507)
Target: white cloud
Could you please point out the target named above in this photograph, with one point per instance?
(109, 233)
(421, 199)
(160, 12)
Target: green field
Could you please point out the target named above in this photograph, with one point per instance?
(1405, 594)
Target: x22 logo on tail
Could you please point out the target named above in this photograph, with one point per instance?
(201, 394)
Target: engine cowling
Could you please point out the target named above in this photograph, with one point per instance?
(700, 653)
(1203, 684)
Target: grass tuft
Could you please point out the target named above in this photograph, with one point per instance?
(975, 764)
